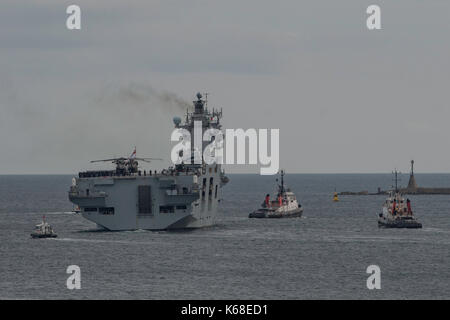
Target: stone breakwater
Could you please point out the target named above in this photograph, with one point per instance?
(412, 188)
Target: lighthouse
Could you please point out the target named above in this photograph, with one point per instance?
(412, 185)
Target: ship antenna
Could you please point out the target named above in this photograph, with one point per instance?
(395, 172)
(206, 98)
(396, 182)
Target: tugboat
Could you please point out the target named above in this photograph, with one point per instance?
(397, 212)
(285, 205)
(43, 230)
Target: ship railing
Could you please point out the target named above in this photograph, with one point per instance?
(188, 170)
(75, 192)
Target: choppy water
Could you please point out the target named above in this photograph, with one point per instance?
(321, 255)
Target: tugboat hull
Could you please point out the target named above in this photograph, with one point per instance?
(400, 224)
(33, 235)
(273, 214)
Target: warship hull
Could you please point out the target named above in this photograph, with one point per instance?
(151, 202)
(276, 215)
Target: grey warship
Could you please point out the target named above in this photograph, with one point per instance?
(182, 196)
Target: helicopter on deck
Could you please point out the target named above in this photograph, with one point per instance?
(127, 165)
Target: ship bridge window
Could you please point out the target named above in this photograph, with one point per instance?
(90, 209)
(182, 207)
(211, 186)
(166, 209)
(203, 188)
(106, 210)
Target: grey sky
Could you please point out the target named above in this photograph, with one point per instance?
(345, 99)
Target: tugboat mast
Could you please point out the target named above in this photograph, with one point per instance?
(282, 182)
(396, 180)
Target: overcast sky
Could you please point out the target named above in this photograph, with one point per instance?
(345, 99)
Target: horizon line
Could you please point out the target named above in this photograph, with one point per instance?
(235, 173)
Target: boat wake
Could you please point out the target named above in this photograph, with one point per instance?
(52, 213)
(374, 239)
(96, 241)
(435, 230)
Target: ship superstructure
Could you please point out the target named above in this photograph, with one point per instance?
(185, 195)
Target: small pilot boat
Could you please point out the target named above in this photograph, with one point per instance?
(76, 209)
(43, 230)
(285, 205)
